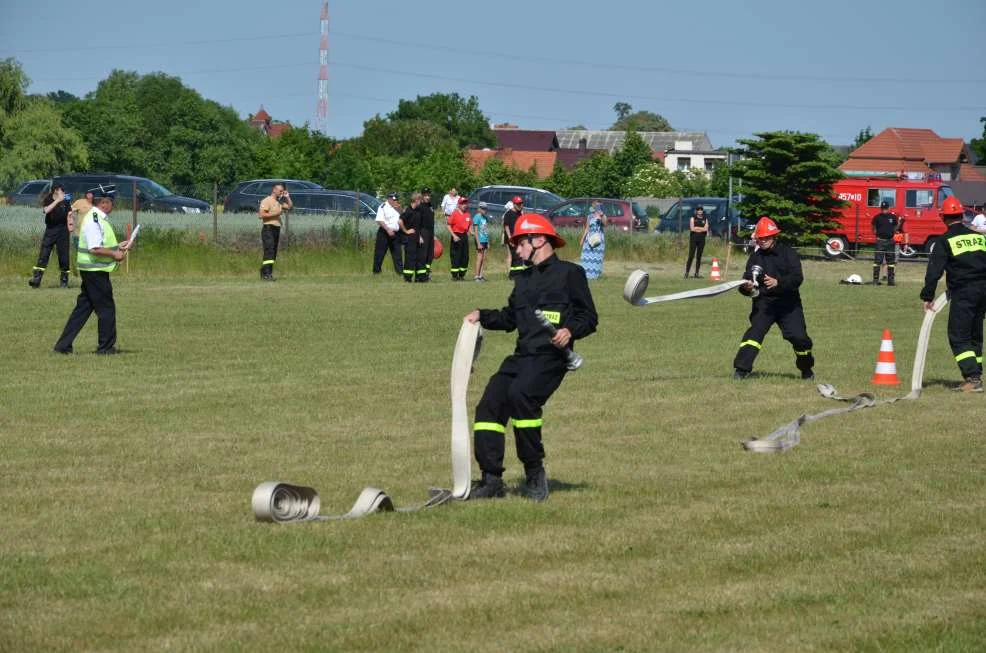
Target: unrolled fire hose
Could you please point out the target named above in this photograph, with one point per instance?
(275, 501)
(282, 502)
(636, 286)
(789, 435)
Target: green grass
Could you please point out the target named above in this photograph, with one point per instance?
(127, 480)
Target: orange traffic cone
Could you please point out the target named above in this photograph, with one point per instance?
(886, 365)
(714, 275)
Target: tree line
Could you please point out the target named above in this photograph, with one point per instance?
(154, 126)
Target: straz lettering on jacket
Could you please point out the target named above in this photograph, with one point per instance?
(967, 243)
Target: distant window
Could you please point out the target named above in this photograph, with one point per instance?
(919, 199)
(684, 162)
(711, 164)
(612, 210)
(875, 196)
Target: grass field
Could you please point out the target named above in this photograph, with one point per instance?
(127, 479)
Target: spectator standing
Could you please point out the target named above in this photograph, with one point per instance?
(960, 254)
(458, 225)
(427, 251)
(481, 234)
(388, 221)
(58, 225)
(698, 231)
(410, 226)
(594, 241)
(515, 265)
(886, 226)
(979, 221)
(271, 208)
(450, 202)
(527, 378)
(98, 255)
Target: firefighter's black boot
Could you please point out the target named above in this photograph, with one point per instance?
(891, 271)
(267, 272)
(536, 487)
(489, 487)
(876, 275)
(35, 281)
(63, 280)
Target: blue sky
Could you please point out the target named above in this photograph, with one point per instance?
(726, 68)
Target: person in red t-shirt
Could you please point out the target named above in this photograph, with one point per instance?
(458, 224)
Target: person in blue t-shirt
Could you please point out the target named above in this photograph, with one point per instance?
(482, 236)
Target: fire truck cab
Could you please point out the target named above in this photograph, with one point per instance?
(915, 197)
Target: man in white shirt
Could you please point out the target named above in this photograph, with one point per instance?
(979, 222)
(98, 255)
(388, 220)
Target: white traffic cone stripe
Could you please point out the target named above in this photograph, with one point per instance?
(886, 368)
(886, 345)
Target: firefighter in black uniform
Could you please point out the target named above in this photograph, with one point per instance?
(426, 252)
(509, 220)
(886, 226)
(773, 276)
(528, 377)
(961, 255)
(56, 209)
(410, 226)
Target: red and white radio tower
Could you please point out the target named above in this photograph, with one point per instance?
(322, 110)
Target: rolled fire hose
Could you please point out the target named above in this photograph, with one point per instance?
(636, 286)
(275, 501)
(789, 435)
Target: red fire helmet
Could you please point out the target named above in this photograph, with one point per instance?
(532, 224)
(951, 206)
(766, 228)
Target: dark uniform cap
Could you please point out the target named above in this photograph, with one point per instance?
(426, 191)
(884, 204)
(107, 190)
(392, 196)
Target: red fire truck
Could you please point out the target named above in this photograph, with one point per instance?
(915, 197)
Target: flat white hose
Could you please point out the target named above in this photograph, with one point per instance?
(789, 435)
(279, 502)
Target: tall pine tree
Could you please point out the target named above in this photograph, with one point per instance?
(789, 176)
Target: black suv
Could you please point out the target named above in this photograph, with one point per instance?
(151, 196)
(247, 194)
(324, 201)
(677, 217)
(536, 200)
(28, 193)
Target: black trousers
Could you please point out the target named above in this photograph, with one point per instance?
(384, 243)
(54, 237)
(96, 296)
(270, 235)
(411, 257)
(791, 319)
(517, 392)
(459, 255)
(427, 254)
(696, 245)
(965, 327)
(886, 252)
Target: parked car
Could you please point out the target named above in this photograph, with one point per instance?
(536, 200)
(151, 196)
(677, 217)
(247, 194)
(324, 201)
(28, 193)
(621, 213)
